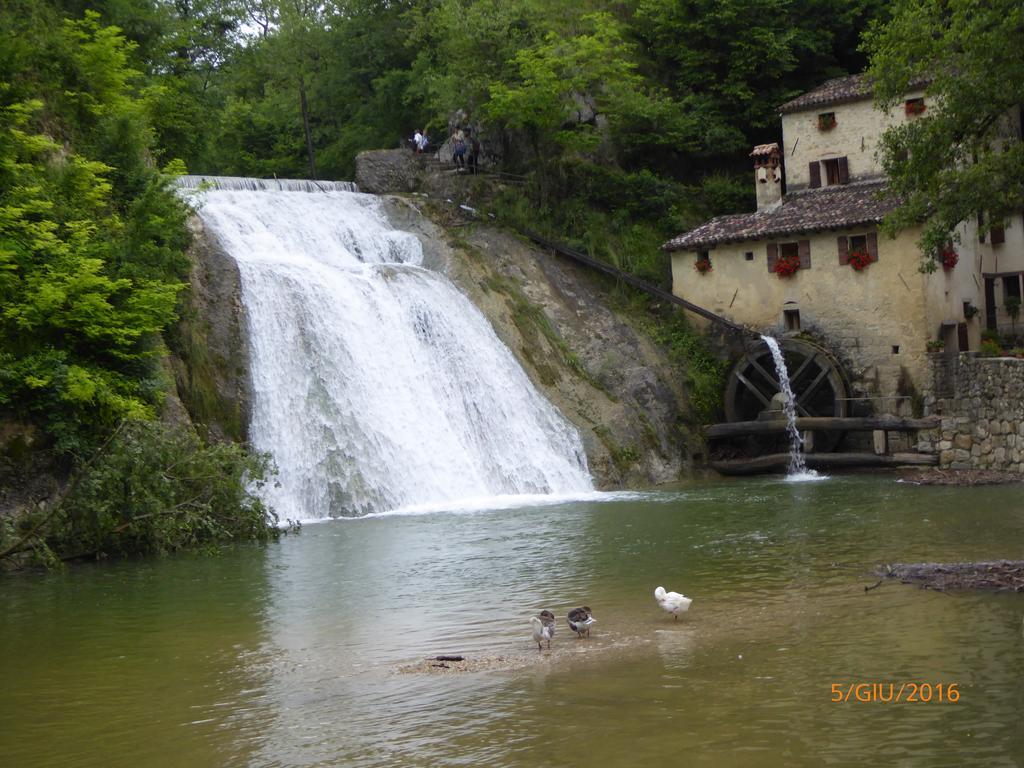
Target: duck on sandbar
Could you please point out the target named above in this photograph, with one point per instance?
(580, 620)
(673, 602)
(543, 627)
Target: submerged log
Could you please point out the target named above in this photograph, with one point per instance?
(779, 462)
(836, 423)
(996, 575)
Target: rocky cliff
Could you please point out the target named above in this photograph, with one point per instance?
(209, 360)
(604, 375)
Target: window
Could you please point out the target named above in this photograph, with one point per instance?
(749, 256)
(826, 121)
(831, 171)
(895, 349)
(914, 107)
(801, 250)
(866, 243)
(1011, 287)
(837, 171)
(792, 318)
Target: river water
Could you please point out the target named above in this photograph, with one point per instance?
(291, 654)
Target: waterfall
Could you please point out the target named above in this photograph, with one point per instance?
(376, 383)
(797, 465)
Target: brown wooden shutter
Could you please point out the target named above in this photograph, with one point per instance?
(773, 256)
(872, 242)
(815, 171)
(803, 248)
(981, 223)
(844, 250)
(844, 171)
(998, 235)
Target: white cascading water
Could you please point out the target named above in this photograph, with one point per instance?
(376, 383)
(797, 465)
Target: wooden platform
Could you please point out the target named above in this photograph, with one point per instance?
(831, 423)
(779, 462)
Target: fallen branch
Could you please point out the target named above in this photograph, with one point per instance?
(996, 575)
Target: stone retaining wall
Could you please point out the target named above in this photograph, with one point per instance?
(982, 413)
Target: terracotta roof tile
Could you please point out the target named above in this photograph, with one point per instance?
(840, 90)
(835, 91)
(835, 207)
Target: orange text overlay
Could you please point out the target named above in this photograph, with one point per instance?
(891, 693)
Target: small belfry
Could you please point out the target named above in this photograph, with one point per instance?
(767, 175)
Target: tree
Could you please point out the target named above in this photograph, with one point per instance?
(91, 241)
(964, 155)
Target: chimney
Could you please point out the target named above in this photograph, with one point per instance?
(767, 175)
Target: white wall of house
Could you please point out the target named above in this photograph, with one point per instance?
(880, 318)
(859, 126)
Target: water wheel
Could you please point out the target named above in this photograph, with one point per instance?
(819, 388)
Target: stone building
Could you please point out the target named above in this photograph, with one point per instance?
(812, 260)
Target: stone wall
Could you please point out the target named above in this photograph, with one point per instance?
(982, 423)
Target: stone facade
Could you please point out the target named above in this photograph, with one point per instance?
(982, 423)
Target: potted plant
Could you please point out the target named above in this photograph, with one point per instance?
(703, 266)
(1012, 307)
(827, 121)
(949, 258)
(936, 345)
(860, 260)
(786, 266)
(970, 311)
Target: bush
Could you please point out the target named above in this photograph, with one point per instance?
(155, 488)
(990, 348)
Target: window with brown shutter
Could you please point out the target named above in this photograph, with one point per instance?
(815, 171)
(998, 234)
(981, 223)
(804, 251)
(773, 256)
(831, 171)
(844, 171)
(843, 246)
(871, 240)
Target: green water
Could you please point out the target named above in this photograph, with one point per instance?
(289, 654)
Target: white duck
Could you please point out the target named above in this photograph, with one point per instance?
(672, 602)
(543, 628)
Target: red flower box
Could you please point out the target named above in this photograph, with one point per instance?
(786, 266)
(914, 107)
(703, 266)
(860, 260)
(949, 259)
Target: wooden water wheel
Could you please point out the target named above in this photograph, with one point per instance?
(819, 387)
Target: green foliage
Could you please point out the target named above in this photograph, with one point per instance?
(79, 313)
(155, 489)
(962, 156)
(990, 348)
(703, 372)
